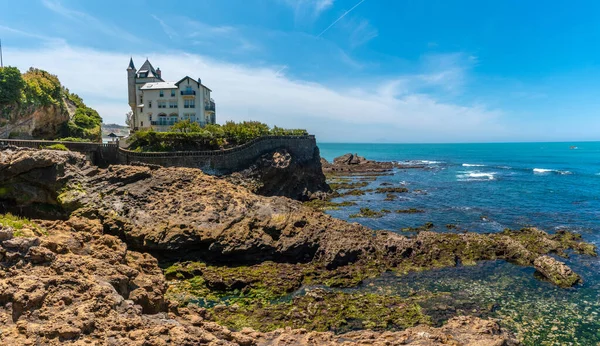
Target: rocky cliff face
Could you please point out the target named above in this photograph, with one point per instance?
(279, 174)
(40, 122)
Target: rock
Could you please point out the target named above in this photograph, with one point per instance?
(38, 255)
(30, 180)
(557, 272)
(353, 163)
(6, 233)
(20, 244)
(280, 174)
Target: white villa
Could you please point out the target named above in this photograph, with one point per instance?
(159, 105)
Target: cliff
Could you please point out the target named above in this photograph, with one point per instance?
(35, 105)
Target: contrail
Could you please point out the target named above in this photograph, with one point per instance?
(342, 16)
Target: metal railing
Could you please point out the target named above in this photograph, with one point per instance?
(188, 92)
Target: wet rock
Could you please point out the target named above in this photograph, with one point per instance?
(555, 271)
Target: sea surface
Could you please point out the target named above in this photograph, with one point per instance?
(486, 188)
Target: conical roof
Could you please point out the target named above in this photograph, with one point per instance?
(131, 65)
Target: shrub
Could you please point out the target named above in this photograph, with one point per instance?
(57, 146)
(11, 85)
(42, 88)
(190, 136)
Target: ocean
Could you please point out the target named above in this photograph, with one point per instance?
(486, 188)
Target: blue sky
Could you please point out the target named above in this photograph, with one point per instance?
(347, 70)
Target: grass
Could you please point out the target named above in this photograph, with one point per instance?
(20, 225)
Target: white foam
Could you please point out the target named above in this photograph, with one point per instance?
(476, 176)
(472, 165)
(545, 170)
(427, 162)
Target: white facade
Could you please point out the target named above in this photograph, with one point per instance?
(159, 105)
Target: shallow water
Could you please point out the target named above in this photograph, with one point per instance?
(486, 188)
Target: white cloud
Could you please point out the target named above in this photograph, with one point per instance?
(166, 28)
(392, 110)
(308, 10)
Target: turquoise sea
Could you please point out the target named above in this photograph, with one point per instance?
(486, 188)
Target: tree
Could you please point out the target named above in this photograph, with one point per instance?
(11, 85)
(129, 118)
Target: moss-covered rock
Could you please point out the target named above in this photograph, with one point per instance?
(321, 310)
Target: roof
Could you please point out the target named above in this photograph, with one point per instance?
(131, 65)
(159, 85)
(147, 67)
(186, 77)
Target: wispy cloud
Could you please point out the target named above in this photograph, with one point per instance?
(166, 28)
(18, 32)
(340, 18)
(361, 32)
(89, 21)
(203, 34)
(398, 113)
(308, 10)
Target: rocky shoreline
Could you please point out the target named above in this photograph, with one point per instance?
(230, 259)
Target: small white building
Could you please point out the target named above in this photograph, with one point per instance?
(159, 105)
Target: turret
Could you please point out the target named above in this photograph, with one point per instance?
(131, 71)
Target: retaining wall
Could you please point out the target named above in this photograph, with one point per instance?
(215, 162)
(219, 162)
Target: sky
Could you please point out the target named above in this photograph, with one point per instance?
(395, 71)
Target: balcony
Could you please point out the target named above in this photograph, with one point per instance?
(188, 92)
(162, 123)
(210, 107)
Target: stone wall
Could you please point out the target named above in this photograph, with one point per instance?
(215, 162)
(219, 162)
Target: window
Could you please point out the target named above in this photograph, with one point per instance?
(142, 123)
(162, 104)
(150, 104)
(172, 104)
(189, 103)
(162, 93)
(172, 92)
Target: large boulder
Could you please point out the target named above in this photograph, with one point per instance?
(557, 272)
(280, 174)
(31, 180)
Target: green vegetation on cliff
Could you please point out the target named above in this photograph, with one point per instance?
(22, 95)
(186, 135)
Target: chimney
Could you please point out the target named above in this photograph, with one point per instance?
(199, 80)
(159, 72)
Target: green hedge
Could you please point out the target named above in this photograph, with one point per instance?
(186, 136)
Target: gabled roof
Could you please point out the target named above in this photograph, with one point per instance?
(195, 81)
(148, 68)
(187, 77)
